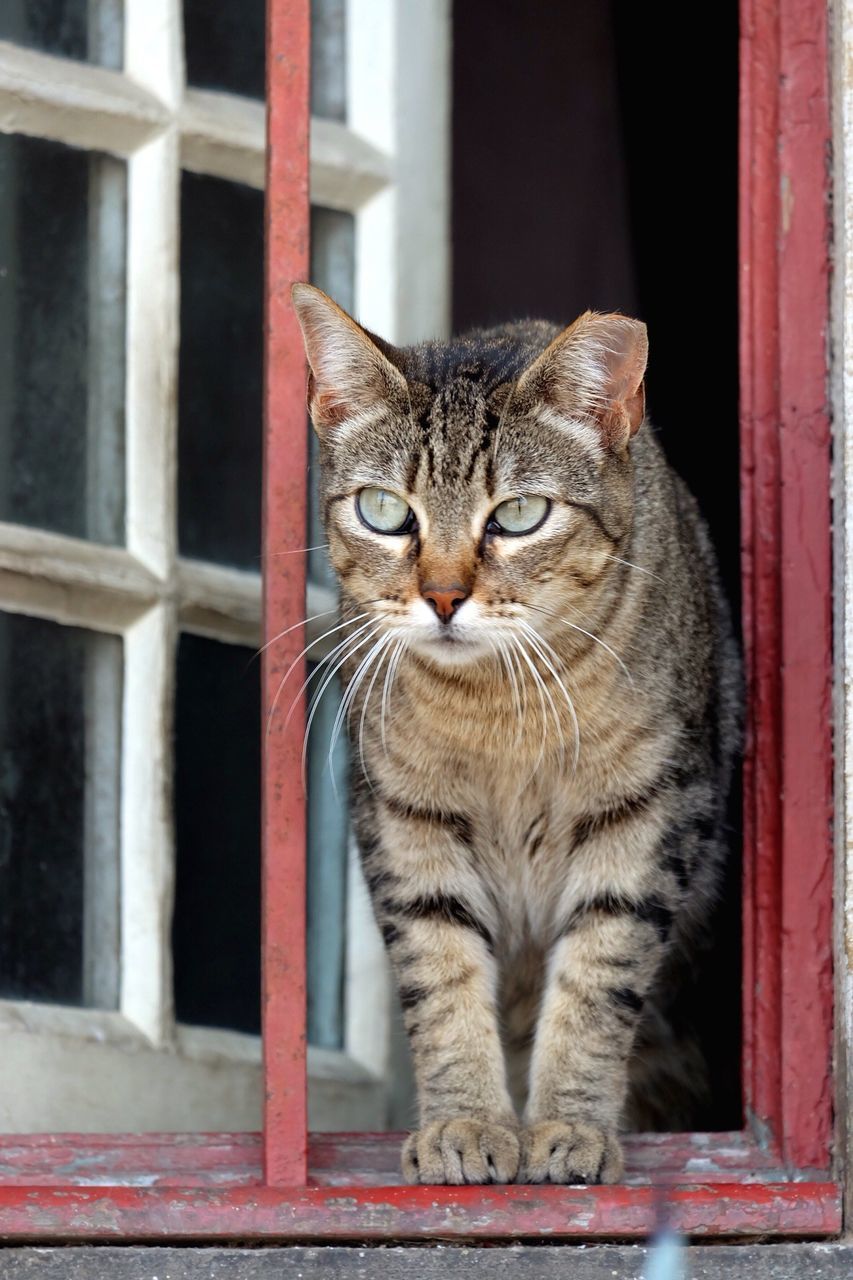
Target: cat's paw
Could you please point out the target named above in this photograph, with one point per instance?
(461, 1150)
(571, 1153)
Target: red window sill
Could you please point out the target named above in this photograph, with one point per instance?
(187, 1186)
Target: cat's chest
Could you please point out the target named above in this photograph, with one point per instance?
(522, 845)
(522, 794)
(523, 812)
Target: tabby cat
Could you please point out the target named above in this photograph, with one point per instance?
(542, 691)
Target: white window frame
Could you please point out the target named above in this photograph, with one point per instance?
(136, 1068)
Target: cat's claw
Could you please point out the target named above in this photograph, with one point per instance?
(461, 1150)
(569, 1153)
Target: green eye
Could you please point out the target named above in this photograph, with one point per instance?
(518, 515)
(383, 511)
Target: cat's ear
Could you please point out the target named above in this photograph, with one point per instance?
(594, 371)
(349, 374)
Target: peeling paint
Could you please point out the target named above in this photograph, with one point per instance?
(786, 201)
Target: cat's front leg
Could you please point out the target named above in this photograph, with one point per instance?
(600, 969)
(437, 925)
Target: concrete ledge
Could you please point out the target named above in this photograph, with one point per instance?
(436, 1262)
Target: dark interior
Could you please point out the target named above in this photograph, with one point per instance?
(594, 167)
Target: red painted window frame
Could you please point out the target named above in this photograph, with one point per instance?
(775, 1177)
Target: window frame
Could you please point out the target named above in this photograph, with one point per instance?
(777, 1176)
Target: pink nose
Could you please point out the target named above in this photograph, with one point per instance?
(445, 600)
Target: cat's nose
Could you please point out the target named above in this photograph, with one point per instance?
(445, 600)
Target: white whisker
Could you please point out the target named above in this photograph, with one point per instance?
(511, 648)
(390, 673)
(631, 565)
(516, 695)
(540, 644)
(330, 675)
(392, 635)
(558, 724)
(540, 686)
(287, 630)
(299, 658)
(574, 626)
(321, 546)
(348, 698)
(318, 669)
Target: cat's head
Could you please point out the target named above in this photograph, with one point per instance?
(473, 488)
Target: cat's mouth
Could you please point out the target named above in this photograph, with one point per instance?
(451, 646)
(454, 642)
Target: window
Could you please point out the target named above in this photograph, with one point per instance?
(131, 317)
(774, 1177)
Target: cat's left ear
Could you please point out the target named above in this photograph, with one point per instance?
(349, 373)
(594, 371)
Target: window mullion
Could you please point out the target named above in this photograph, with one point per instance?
(75, 103)
(347, 170)
(422, 170)
(154, 58)
(74, 562)
(152, 347)
(225, 136)
(371, 78)
(371, 92)
(147, 857)
(154, 48)
(219, 602)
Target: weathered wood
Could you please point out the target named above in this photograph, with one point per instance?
(597, 1262)
(334, 1159)
(343, 1213)
(787, 582)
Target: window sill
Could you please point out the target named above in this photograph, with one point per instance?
(188, 1186)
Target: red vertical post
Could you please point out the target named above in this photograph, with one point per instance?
(284, 527)
(804, 429)
(759, 339)
(784, 266)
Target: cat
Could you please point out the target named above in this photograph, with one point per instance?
(543, 694)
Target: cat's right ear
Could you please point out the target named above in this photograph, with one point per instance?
(349, 375)
(593, 371)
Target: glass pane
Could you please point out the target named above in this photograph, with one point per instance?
(216, 927)
(88, 30)
(333, 269)
(221, 371)
(327, 864)
(224, 46)
(328, 59)
(62, 287)
(60, 737)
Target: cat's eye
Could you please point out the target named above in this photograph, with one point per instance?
(518, 515)
(385, 512)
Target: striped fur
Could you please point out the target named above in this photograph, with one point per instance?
(540, 786)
